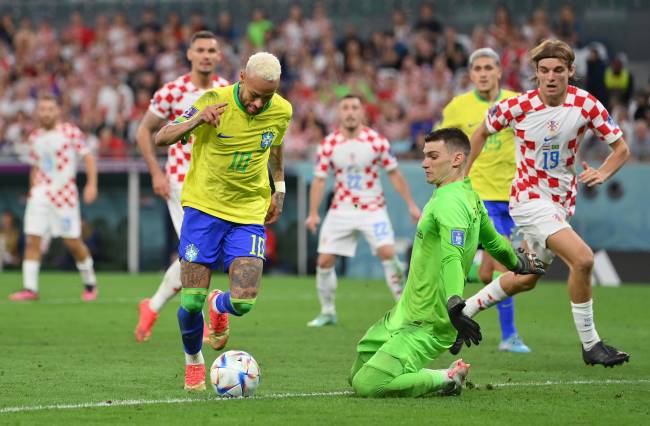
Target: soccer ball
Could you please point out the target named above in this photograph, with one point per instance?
(235, 373)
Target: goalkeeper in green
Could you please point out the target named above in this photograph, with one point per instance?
(392, 354)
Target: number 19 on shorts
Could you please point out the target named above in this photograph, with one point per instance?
(258, 246)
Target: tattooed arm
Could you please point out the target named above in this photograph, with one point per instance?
(277, 171)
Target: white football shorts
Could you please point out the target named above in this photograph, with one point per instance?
(340, 230)
(537, 220)
(43, 219)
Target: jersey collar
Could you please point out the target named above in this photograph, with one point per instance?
(235, 93)
(482, 99)
(465, 181)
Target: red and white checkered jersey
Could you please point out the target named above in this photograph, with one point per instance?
(547, 140)
(55, 154)
(168, 103)
(356, 165)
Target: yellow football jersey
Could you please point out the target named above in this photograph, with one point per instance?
(228, 175)
(493, 170)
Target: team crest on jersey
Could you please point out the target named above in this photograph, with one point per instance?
(553, 126)
(191, 253)
(267, 138)
(458, 237)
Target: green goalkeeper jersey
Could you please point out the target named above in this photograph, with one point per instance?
(453, 222)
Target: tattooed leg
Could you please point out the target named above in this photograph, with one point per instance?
(245, 277)
(195, 275)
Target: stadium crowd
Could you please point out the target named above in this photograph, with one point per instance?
(105, 71)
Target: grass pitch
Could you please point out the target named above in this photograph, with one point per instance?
(64, 361)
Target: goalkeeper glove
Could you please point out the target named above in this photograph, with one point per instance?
(468, 329)
(528, 263)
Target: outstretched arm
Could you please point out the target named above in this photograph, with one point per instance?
(519, 262)
(402, 187)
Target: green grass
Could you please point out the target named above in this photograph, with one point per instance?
(60, 351)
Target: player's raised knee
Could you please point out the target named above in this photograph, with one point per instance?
(584, 261)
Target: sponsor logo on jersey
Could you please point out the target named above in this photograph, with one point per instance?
(267, 139)
(458, 237)
(419, 234)
(222, 136)
(191, 253)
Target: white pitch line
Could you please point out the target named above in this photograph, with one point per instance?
(572, 382)
(132, 402)
(71, 302)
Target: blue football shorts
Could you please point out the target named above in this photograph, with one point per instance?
(215, 242)
(500, 215)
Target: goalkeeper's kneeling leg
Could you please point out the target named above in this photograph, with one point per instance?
(369, 381)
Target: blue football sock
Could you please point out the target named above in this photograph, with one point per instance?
(191, 325)
(224, 305)
(506, 310)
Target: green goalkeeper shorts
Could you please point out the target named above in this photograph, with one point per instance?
(414, 345)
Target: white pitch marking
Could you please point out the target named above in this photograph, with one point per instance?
(132, 402)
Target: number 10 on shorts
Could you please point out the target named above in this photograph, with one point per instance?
(258, 246)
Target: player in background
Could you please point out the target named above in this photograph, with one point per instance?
(355, 153)
(392, 354)
(168, 103)
(549, 122)
(53, 203)
(492, 171)
(238, 132)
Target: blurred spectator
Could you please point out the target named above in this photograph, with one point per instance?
(7, 29)
(111, 146)
(428, 23)
(641, 106)
(618, 81)
(225, 28)
(401, 28)
(319, 25)
(596, 74)
(567, 27)
(640, 141)
(9, 240)
(257, 28)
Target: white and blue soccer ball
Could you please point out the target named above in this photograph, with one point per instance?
(235, 373)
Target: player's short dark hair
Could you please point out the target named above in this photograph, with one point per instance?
(455, 139)
(203, 34)
(352, 96)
